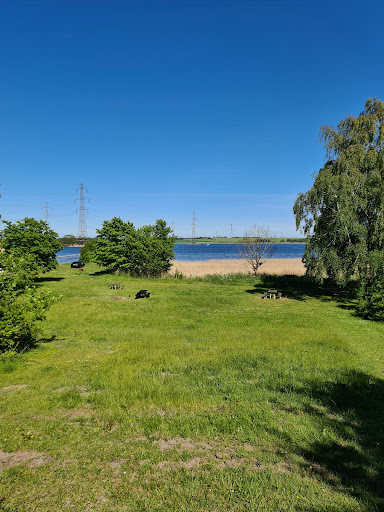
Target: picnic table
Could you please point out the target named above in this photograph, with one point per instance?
(116, 286)
(271, 294)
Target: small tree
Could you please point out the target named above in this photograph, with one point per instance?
(115, 244)
(21, 305)
(33, 237)
(156, 243)
(370, 297)
(257, 246)
(87, 252)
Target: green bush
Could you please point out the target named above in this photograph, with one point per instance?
(21, 305)
(143, 252)
(33, 237)
(371, 294)
(87, 252)
(371, 301)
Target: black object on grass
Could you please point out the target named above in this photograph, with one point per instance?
(77, 264)
(142, 294)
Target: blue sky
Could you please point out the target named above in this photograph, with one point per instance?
(164, 108)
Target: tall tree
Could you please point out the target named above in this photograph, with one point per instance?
(146, 251)
(115, 242)
(342, 215)
(157, 243)
(32, 237)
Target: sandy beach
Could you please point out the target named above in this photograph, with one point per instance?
(277, 266)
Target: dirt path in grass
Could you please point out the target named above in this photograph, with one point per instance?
(277, 266)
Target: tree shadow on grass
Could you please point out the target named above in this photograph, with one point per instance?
(48, 279)
(350, 453)
(47, 339)
(301, 287)
(104, 272)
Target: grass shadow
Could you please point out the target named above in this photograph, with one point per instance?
(47, 339)
(301, 287)
(104, 272)
(48, 279)
(350, 453)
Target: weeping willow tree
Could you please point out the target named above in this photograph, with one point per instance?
(342, 215)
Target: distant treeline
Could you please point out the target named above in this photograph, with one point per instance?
(67, 240)
(238, 240)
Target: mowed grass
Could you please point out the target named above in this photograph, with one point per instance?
(203, 397)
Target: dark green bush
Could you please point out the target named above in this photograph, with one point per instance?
(371, 301)
(87, 252)
(21, 305)
(143, 252)
(371, 294)
(34, 238)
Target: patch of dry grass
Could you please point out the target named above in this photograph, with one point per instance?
(276, 266)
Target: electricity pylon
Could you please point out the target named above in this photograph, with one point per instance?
(82, 231)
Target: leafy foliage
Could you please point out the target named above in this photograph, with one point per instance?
(342, 215)
(68, 240)
(146, 251)
(371, 301)
(33, 237)
(87, 252)
(21, 305)
(371, 293)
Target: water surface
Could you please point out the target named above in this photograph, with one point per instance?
(202, 252)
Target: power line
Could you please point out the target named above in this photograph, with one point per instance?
(82, 231)
(27, 194)
(193, 228)
(46, 214)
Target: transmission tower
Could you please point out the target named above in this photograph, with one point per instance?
(82, 232)
(193, 228)
(46, 212)
(231, 232)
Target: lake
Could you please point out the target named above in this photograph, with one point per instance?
(202, 252)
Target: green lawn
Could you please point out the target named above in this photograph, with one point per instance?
(203, 397)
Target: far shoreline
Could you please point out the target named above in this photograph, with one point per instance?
(240, 241)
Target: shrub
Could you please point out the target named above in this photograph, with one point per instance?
(33, 237)
(87, 252)
(371, 301)
(371, 294)
(21, 305)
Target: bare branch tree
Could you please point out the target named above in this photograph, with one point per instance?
(257, 246)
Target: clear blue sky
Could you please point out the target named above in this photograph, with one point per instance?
(162, 108)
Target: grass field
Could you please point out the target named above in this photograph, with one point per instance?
(203, 397)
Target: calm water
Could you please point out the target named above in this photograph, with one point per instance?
(201, 252)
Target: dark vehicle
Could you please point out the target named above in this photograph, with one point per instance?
(142, 294)
(77, 264)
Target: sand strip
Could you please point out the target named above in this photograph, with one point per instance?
(276, 266)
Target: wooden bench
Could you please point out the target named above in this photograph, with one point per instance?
(115, 286)
(271, 294)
